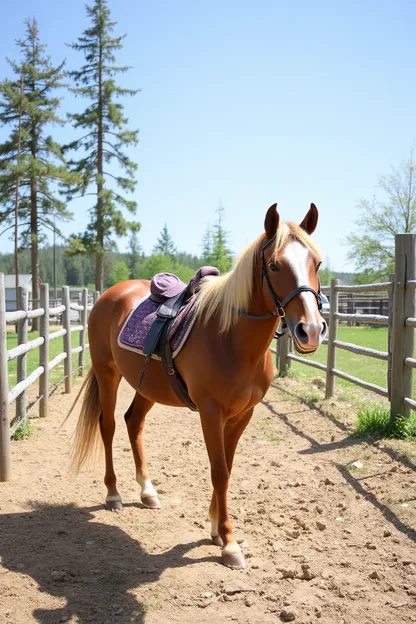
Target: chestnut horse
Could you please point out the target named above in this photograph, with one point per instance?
(225, 363)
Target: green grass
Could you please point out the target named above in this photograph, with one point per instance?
(374, 421)
(24, 431)
(55, 347)
(366, 368)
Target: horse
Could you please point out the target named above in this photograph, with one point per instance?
(225, 362)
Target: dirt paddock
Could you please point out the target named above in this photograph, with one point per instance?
(326, 541)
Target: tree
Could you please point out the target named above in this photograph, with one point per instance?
(325, 273)
(158, 263)
(207, 246)
(221, 255)
(372, 247)
(104, 136)
(165, 244)
(120, 273)
(29, 101)
(135, 256)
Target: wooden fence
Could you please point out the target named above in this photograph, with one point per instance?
(400, 320)
(41, 374)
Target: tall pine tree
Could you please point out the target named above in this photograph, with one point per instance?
(103, 125)
(221, 254)
(165, 244)
(135, 256)
(41, 166)
(207, 246)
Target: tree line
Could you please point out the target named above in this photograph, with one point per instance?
(79, 269)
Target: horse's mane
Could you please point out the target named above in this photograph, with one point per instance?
(228, 295)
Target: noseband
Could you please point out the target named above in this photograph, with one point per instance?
(280, 305)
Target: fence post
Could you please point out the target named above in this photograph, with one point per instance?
(284, 362)
(66, 321)
(21, 401)
(389, 332)
(84, 317)
(44, 351)
(5, 452)
(332, 336)
(96, 295)
(402, 341)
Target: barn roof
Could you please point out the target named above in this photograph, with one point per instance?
(10, 280)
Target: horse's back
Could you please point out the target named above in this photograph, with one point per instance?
(109, 313)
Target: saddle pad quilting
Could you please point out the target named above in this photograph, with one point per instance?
(137, 325)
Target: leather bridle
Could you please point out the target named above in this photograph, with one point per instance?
(280, 305)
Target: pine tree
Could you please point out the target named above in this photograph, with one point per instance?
(165, 244)
(221, 254)
(104, 135)
(207, 246)
(135, 256)
(41, 164)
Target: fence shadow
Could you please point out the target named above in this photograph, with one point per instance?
(356, 484)
(350, 440)
(93, 566)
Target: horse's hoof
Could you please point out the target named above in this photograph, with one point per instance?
(216, 540)
(114, 505)
(151, 502)
(235, 561)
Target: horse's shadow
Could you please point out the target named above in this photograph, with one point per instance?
(97, 568)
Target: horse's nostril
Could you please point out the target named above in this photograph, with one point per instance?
(300, 332)
(324, 328)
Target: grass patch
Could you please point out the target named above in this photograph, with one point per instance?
(374, 421)
(369, 369)
(24, 431)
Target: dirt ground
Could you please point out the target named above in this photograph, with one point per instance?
(327, 541)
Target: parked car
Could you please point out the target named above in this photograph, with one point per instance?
(325, 303)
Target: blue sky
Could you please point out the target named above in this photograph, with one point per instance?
(253, 103)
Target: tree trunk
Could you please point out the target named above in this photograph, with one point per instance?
(34, 250)
(99, 260)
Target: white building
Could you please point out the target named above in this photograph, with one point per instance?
(10, 289)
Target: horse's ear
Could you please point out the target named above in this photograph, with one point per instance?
(310, 221)
(271, 222)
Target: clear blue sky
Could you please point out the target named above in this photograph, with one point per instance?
(253, 102)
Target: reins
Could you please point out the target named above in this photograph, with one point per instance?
(280, 305)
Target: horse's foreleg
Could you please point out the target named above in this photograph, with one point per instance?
(233, 431)
(135, 419)
(212, 421)
(108, 381)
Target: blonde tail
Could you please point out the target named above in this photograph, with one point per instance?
(87, 436)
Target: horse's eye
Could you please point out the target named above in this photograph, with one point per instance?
(273, 266)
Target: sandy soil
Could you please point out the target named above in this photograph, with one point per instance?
(327, 541)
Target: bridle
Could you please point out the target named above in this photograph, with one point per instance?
(280, 305)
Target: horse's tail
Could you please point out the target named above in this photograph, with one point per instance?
(87, 438)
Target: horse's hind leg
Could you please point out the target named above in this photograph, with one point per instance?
(108, 379)
(135, 418)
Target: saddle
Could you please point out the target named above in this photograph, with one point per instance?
(173, 295)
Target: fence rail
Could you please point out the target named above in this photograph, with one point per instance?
(400, 320)
(41, 374)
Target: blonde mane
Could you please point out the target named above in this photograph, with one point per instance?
(228, 295)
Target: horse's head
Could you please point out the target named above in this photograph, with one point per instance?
(290, 263)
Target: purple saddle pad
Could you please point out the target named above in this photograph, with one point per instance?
(140, 319)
